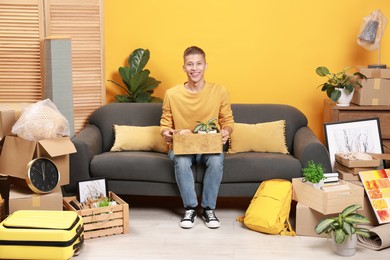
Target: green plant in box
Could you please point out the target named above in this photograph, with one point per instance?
(206, 126)
(314, 172)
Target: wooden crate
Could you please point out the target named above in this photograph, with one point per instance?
(375, 162)
(105, 221)
(329, 199)
(197, 143)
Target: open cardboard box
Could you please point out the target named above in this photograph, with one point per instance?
(197, 143)
(330, 199)
(375, 162)
(18, 152)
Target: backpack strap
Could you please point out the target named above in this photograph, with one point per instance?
(287, 230)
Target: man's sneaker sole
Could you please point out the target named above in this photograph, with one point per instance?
(211, 224)
(187, 224)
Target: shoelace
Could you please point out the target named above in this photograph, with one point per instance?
(188, 214)
(210, 215)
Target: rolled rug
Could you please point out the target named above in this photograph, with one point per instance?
(379, 238)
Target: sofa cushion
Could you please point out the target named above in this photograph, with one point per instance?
(261, 137)
(138, 138)
(256, 167)
(133, 166)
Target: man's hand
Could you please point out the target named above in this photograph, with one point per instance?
(225, 133)
(167, 134)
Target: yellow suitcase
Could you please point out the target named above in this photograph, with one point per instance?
(41, 234)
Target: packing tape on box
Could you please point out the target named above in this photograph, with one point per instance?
(377, 84)
(36, 201)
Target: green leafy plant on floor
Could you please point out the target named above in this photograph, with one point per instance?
(139, 86)
(344, 225)
(206, 126)
(338, 80)
(314, 172)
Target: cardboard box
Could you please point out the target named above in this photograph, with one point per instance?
(375, 162)
(352, 170)
(105, 221)
(18, 152)
(197, 143)
(329, 199)
(375, 72)
(306, 218)
(9, 114)
(374, 92)
(347, 176)
(25, 199)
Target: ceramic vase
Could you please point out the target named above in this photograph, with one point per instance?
(345, 98)
(347, 248)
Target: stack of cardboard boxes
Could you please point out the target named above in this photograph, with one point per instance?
(16, 153)
(375, 90)
(314, 205)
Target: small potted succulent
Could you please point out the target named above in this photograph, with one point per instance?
(340, 86)
(314, 174)
(344, 230)
(206, 127)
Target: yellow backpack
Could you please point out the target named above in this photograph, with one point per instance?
(269, 209)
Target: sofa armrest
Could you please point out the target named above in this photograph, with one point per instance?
(88, 143)
(308, 147)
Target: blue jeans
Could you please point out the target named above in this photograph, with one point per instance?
(185, 178)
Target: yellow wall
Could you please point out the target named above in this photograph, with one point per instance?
(262, 51)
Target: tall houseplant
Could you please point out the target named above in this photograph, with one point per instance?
(344, 229)
(139, 86)
(339, 81)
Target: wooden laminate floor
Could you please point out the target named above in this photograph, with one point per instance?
(154, 233)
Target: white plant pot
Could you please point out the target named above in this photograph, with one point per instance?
(345, 98)
(316, 185)
(347, 248)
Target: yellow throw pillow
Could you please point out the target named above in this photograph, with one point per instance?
(261, 137)
(138, 138)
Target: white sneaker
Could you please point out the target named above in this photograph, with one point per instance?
(210, 219)
(188, 221)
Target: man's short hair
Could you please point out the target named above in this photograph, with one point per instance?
(194, 50)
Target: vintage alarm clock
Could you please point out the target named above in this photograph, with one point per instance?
(42, 175)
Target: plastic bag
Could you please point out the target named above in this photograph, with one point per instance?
(41, 120)
(371, 31)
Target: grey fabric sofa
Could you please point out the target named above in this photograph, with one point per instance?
(152, 173)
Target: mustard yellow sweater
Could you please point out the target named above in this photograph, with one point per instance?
(182, 109)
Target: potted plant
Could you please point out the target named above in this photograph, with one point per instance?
(340, 86)
(314, 173)
(344, 230)
(139, 86)
(206, 127)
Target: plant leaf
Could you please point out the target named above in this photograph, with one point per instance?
(322, 71)
(138, 60)
(335, 95)
(138, 80)
(347, 228)
(339, 236)
(348, 210)
(356, 219)
(324, 225)
(364, 232)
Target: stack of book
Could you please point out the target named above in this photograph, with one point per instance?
(331, 179)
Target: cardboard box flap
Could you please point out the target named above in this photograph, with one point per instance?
(57, 146)
(13, 161)
(7, 120)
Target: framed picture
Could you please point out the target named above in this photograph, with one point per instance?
(92, 189)
(362, 136)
